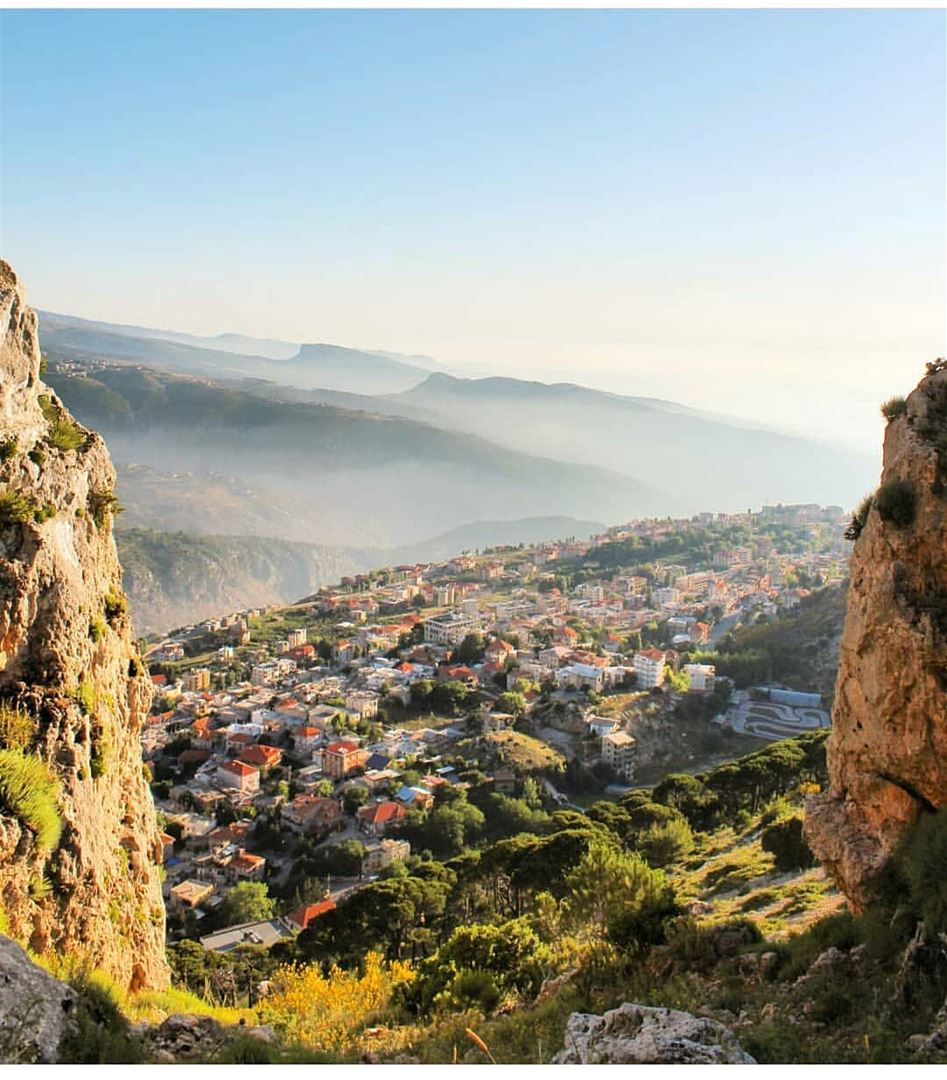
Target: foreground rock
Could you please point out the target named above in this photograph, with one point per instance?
(888, 750)
(641, 1035)
(34, 1009)
(73, 692)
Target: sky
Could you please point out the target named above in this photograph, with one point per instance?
(739, 210)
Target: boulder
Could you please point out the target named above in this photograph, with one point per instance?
(34, 1008)
(641, 1035)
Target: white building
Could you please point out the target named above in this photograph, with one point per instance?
(449, 629)
(701, 677)
(649, 667)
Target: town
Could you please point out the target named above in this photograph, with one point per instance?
(298, 753)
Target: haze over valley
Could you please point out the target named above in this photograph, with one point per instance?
(231, 443)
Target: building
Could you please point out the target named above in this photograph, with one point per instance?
(381, 855)
(196, 680)
(618, 750)
(449, 629)
(649, 667)
(236, 774)
(266, 933)
(700, 677)
(190, 894)
(311, 814)
(303, 916)
(295, 638)
(261, 756)
(339, 759)
(377, 818)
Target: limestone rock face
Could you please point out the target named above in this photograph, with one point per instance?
(887, 753)
(641, 1035)
(69, 670)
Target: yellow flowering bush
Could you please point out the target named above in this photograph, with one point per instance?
(329, 1012)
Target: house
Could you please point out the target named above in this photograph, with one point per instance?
(618, 750)
(306, 738)
(261, 757)
(415, 796)
(649, 667)
(499, 652)
(497, 721)
(306, 914)
(264, 933)
(379, 856)
(340, 759)
(600, 725)
(190, 894)
(311, 814)
(376, 818)
(701, 678)
(581, 677)
(235, 774)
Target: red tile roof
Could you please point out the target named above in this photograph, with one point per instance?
(304, 915)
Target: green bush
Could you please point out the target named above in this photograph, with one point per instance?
(37, 455)
(85, 697)
(97, 628)
(921, 859)
(64, 432)
(30, 793)
(896, 502)
(15, 509)
(8, 447)
(43, 513)
(785, 842)
(893, 408)
(16, 727)
(102, 504)
(116, 604)
(859, 518)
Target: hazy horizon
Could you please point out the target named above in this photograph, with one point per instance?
(741, 211)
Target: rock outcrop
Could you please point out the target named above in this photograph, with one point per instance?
(79, 859)
(34, 1009)
(887, 753)
(641, 1035)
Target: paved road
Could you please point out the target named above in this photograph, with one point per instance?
(723, 627)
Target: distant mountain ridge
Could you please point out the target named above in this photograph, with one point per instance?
(332, 366)
(357, 478)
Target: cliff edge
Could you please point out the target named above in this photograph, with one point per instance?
(887, 753)
(79, 843)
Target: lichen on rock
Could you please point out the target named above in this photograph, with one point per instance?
(887, 754)
(97, 895)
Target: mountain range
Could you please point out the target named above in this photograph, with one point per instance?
(368, 450)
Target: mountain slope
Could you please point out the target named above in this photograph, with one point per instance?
(723, 463)
(362, 479)
(332, 366)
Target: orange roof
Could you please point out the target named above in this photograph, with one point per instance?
(159, 680)
(309, 732)
(341, 747)
(238, 768)
(261, 756)
(381, 813)
(304, 915)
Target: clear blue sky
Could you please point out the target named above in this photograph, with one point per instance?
(742, 210)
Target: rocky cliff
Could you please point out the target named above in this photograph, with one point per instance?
(888, 749)
(79, 848)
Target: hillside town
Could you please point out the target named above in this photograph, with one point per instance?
(297, 753)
